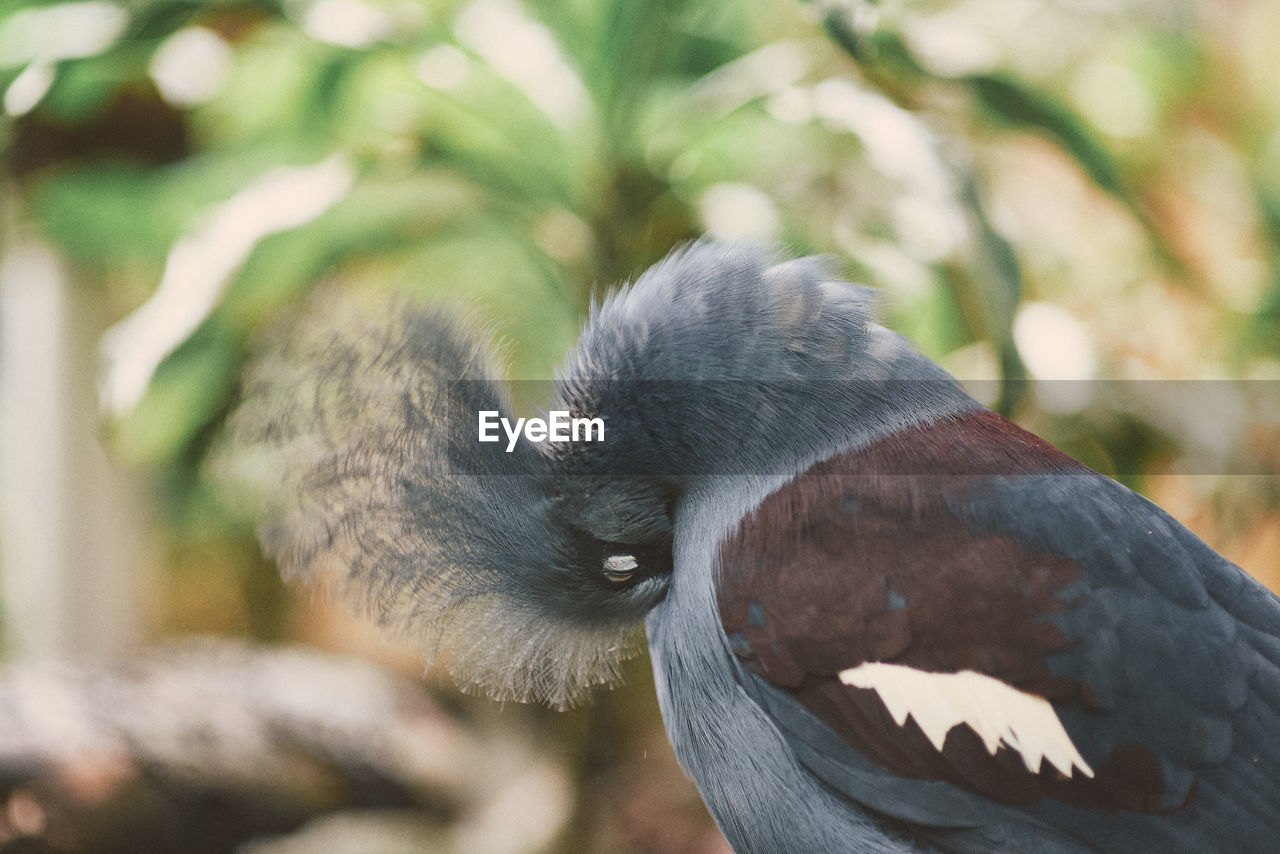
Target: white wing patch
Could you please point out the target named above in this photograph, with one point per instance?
(1000, 714)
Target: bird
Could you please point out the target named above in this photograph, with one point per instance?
(881, 617)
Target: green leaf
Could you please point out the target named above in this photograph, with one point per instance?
(189, 392)
(1023, 104)
(387, 216)
(110, 215)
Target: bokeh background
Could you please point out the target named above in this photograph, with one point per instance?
(1074, 205)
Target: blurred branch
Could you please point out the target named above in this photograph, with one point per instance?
(204, 746)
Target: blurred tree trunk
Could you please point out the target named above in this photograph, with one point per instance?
(70, 523)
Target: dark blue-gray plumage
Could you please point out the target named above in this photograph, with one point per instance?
(881, 617)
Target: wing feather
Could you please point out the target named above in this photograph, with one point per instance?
(1150, 666)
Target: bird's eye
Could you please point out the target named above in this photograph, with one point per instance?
(620, 568)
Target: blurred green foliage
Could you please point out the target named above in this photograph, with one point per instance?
(1088, 186)
(1118, 161)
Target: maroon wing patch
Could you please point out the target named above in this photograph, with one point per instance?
(862, 559)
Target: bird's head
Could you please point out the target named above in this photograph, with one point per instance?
(527, 567)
